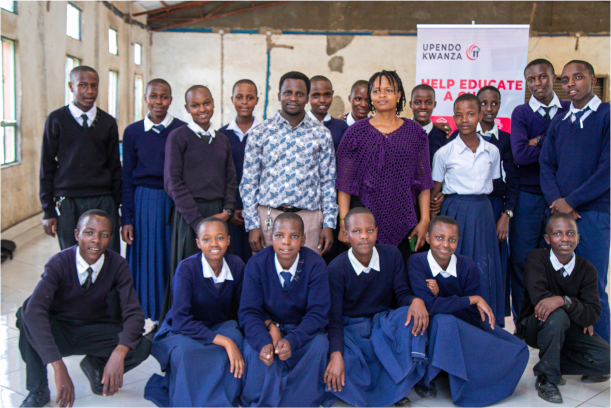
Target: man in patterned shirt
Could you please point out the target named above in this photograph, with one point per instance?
(289, 166)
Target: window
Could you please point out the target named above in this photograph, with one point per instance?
(73, 22)
(137, 54)
(113, 41)
(138, 97)
(71, 63)
(9, 5)
(113, 93)
(8, 130)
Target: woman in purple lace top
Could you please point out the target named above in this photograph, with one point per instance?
(384, 161)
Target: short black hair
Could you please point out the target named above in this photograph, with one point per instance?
(560, 216)
(359, 83)
(292, 217)
(394, 79)
(357, 210)
(490, 88)
(158, 81)
(320, 78)
(539, 61)
(586, 64)
(423, 87)
(244, 81)
(81, 68)
(468, 97)
(210, 220)
(95, 213)
(191, 88)
(443, 219)
(295, 75)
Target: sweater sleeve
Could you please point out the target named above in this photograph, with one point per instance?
(585, 310)
(548, 162)
(328, 193)
(48, 166)
(337, 285)
(183, 321)
(317, 310)
(114, 162)
(535, 279)
(512, 180)
(174, 182)
(251, 178)
(130, 161)
(251, 314)
(400, 286)
(231, 180)
(131, 311)
(434, 304)
(523, 153)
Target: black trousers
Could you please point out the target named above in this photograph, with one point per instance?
(96, 339)
(71, 209)
(564, 348)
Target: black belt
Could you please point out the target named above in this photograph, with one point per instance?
(288, 208)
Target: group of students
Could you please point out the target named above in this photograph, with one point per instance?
(312, 185)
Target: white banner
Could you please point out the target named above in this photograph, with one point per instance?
(455, 59)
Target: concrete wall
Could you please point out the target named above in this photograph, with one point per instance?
(218, 60)
(39, 31)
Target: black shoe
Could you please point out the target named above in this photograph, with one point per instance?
(94, 374)
(37, 399)
(548, 391)
(562, 381)
(426, 392)
(596, 378)
(404, 402)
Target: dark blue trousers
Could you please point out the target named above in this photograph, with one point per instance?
(526, 231)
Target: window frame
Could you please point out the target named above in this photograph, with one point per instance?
(115, 100)
(68, 95)
(5, 122)
(138, 97)
(80, 21)
(116, 40)
(14, 8)
(139, 47)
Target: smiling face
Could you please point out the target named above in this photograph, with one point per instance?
(84, 86)
(93, 237)
(321, 97)
(443, 240)
(467, 116)
(360, 103)
(200, 106)
(212, 240)
(422, 104)
(562, 236)
(158, 97)
(244, 99)
(540, 81)
(490, 106)
(384, 95)
(287, 240)
(578, 84)
(362, 233)
(293, 97)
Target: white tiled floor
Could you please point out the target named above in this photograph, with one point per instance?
(20, 275)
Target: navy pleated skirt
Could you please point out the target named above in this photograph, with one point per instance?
(478, 241)
(149, 255)
(497, 210)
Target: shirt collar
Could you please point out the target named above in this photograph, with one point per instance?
(494, 132)
(279, 267)
(350, 119)
(483, 145)
(593, 105)
(82, 266)
(197, 129)
(557, 265)
(148, 123)
(209, 273)
(436, 269)
(359, 268)
(77, 112)
(307, 121)
(236, 129)
(326, 119)
(428, 127)
(535, 104)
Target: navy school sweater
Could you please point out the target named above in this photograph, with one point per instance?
(79, 162)
(306, 304)
(237, 151)
(575, 161)
(59, 293)
(437, 139)
(337, 127)
(366, 294)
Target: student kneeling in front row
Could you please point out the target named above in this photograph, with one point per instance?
(85, 303)
(561, 305)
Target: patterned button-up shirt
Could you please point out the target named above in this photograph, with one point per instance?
(289, 166)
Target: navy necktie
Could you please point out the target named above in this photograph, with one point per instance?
(87, 282)
(579, 114)
(158, 128)
(205, 137)
(547, 116)
(84, 117)
(486, 138)
(563, 272)
(287, 280)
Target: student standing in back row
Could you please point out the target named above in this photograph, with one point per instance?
(529, 123)
(80, 168)
(575, 173)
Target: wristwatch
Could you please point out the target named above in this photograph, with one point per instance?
(509, 213)
(567, 302)
(230, 212)
(538, 139)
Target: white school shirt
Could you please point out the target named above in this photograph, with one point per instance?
(557, 265)
(76, 113)
(349, 119)
(197, 129)
(537, 106)
(374, 262)
(591, 106)
(493, 132)
(148, 124)
(236, 129)
(436, 269)
(463, 172)
(82, 266)
(326, 119)
(428, 127)
(209, 273)
(279, 269)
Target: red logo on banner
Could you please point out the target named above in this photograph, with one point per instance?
(473, 52)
